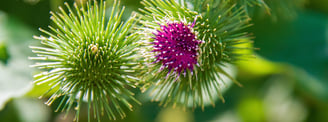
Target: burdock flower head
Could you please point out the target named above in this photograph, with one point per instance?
(89, 58)
(187, 45)
(176, 47)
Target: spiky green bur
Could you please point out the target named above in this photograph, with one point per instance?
(88, 58)
(216, 24)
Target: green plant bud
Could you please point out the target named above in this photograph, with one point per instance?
(89, 59)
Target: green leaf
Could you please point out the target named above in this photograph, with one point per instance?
(301, 42)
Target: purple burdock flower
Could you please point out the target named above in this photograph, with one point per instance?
(176, 47)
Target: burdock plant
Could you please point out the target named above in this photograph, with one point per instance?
(89, 58)
(187, 45)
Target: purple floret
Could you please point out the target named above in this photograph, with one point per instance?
(176, 46)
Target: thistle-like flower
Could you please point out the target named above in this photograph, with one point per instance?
(89, 58)
(176, 47)
(186, 47)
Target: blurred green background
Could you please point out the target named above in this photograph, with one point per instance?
(286, 82)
